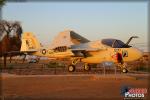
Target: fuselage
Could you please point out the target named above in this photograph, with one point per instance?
(128, 55)
(105, 53)
(50, 53)
(110, 51)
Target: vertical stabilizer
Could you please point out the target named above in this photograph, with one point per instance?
(29, 42)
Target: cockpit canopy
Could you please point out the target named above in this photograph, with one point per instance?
(114, 43)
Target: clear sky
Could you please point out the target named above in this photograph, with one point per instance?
(94, 20)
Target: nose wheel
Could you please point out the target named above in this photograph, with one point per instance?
(123, 67)
(124, 70)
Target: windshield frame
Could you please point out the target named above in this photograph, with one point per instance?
(114, 43)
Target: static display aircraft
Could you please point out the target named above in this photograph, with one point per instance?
(72, 46)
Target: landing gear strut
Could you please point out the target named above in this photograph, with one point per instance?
(71, 68)
(86, 67)
(123, 67)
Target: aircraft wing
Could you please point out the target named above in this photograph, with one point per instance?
(82, 50)
(83, 47)
(20, 52)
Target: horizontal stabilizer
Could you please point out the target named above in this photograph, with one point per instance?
(20, 52)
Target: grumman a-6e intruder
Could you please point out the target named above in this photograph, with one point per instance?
(70, 45)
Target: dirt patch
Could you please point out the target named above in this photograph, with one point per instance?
(47, 87)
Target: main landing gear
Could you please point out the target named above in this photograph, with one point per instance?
(86, 67)
(71, 68)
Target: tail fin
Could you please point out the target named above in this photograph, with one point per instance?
(29, 42)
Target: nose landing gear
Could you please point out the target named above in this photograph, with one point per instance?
(123, 67)
(124, 70)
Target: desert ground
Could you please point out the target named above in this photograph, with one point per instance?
(39, 81)
(69, 87)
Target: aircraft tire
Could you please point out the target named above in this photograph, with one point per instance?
(71, 68)
(87, 67)
(124, 70)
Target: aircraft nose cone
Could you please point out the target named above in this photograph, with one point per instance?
(137, 53)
